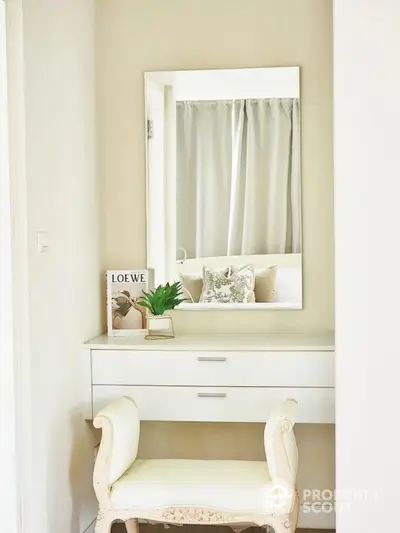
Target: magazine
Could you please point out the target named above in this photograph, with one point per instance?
(124, 291)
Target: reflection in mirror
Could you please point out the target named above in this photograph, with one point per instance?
(224, 186)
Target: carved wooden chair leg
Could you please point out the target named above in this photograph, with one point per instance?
(294, 514)
(282, 527)
(132, 525)
(103, 524)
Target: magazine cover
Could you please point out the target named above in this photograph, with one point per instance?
(124, 290)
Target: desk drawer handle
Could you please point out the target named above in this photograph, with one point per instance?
(211, 394)
(215, 359)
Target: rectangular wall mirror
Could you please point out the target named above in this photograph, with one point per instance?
(224, 186)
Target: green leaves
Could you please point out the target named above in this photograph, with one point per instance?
(163, 298)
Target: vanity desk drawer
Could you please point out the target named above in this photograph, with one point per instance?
(219, 404)
(213, 368)
(214, 378)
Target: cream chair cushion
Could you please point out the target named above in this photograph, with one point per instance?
(243, 486)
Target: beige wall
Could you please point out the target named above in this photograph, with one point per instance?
(134, 36)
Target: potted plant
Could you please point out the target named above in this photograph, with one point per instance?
(158, 301)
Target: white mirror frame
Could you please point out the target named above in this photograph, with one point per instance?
(160, 102)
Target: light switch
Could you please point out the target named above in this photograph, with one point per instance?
(43, 241)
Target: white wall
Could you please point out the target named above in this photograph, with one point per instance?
(8, 477)
(57, 295)
(367, 220)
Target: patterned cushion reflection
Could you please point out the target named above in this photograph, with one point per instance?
(235, 288)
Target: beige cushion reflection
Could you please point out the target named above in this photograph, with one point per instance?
(265, 286)
(192, 285)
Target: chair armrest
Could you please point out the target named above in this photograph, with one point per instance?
(120, 425)
(280, 445)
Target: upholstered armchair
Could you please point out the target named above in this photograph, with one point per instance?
(182, 491)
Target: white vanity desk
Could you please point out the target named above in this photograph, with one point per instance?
(214, 378)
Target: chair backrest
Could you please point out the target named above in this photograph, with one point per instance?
(280, 444)
(120, 426)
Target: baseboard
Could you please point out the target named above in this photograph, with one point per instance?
(316, 518)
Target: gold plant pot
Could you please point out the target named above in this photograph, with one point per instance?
(160, 327)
